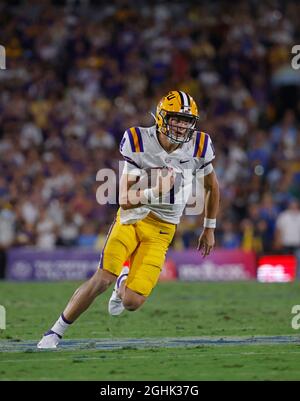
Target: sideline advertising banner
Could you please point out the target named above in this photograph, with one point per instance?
(26, 264)
(276, 269)
(220, 265)
(76, 264)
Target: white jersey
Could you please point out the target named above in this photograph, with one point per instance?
(142, 151)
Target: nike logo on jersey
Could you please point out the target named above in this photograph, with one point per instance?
(163, 232)
(183, 161)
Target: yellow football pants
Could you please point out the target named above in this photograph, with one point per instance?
(145, 244)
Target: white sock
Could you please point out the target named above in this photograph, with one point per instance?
(61, 325)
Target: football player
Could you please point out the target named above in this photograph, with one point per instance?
(146, 221)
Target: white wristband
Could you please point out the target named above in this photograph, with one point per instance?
(210, 223)
(149, 195)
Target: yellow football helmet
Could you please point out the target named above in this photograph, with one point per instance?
(179, 106)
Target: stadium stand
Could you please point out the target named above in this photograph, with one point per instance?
(80, 73)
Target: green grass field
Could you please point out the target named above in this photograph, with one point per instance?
(174, 310)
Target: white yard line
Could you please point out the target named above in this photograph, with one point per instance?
(108, 344)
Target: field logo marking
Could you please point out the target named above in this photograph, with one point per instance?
(296, 319)
(296, 59)
(2, 58)
(2, 318)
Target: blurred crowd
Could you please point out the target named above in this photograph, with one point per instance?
(81, 72)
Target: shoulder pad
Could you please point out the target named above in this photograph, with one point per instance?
(201, 143)
(135, 139)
